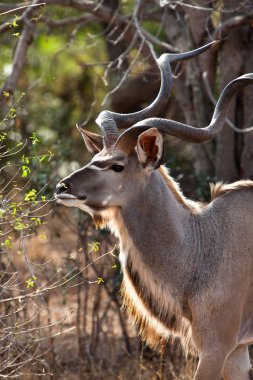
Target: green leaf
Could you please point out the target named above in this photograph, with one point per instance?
(12, 113)
(30, 282)
(14, 23)
(3, 136)
(25, 160)
(37, 221)
(42, 158)
(94, 246)
(7, 243)
(25, 171)
(34, 138)
(19, 225)
(30, 195)
(100, 280)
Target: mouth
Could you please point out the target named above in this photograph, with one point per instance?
(67, 200)
(64, 196)
(71, 200)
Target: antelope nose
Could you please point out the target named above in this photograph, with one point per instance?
(62, 187)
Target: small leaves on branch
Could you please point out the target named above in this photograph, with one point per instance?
(34, 138)
(30, 195)
(25, 171)
(31, 282)
(14, 23)
(94, 246)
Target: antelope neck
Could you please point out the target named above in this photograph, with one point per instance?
(157, 213)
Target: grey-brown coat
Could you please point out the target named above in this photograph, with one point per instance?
(187, 267)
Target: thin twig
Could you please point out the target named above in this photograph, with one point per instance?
(20, 8)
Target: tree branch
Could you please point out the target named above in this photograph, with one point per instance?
(67, 21)
(107, 15)
(17, 8)
(20, 54)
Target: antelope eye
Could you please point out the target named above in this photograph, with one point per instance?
(117, 168)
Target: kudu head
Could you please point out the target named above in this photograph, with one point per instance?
(108, 180)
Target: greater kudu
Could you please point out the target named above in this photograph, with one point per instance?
(187, 267)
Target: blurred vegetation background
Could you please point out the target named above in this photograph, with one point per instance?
(62, 62)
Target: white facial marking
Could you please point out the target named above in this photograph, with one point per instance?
(107, 200)
(101, 158)
(94, 167)
(105, 163)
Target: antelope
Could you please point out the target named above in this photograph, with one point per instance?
(187, 267)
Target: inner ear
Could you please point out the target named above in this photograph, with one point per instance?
(150, 148)
(93, 141)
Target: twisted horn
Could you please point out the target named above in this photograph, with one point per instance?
(108, 128)
(109, 122)
(127, 140)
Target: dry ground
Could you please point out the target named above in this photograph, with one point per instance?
(88, 333)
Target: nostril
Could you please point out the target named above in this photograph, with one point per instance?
(62, 187)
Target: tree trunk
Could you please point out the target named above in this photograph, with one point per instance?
(236, 58)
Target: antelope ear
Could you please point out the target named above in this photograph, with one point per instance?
(93, 141)
(150, 148)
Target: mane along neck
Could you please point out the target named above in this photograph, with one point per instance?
(151, 300)
(188, 204)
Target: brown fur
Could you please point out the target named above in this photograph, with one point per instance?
(147, 332)
(172, 325)
(175, 189)
(219, 189)
(216, 189)
(100, 221)
(170, 321)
